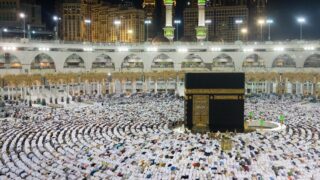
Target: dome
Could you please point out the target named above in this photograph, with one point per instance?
(160, 40)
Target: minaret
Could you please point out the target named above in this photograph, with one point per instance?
(201, 30)
(168, 29)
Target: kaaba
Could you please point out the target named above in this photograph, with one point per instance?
(214, 102)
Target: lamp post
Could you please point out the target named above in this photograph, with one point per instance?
(56, 19)
(23, 17)
(177, 23)
(261, 22)
(147, 22)
(269, 22)
(130, 32)
(238, 23)
(244, 32)
(88, 24)
(301, 21)
(117, 23)
(2, 31)
(208, 22)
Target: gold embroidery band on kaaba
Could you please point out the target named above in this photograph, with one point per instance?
(214, 91)
(223, 97)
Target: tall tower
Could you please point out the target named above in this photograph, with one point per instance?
(168, 29)
(149, 9)
(201, 30)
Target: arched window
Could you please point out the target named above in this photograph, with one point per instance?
(312, 61)
(223, 60)
(9, 61)
(193, 61)
(284, 61)
(162, 61)
(42, 61)
(74, 61)
(103, 61)
(132, 61)
(253, 60)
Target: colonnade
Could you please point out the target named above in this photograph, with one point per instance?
(70, 85)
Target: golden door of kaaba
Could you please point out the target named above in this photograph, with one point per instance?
(201, 112)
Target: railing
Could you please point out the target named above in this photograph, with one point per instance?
(205, 43)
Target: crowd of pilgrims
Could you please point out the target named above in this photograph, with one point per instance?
(130, 138)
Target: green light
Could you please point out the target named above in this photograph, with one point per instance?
(170, 2)
(201, 2)
(201, 31)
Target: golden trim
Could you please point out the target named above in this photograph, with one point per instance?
(221, 97)
(214, 91)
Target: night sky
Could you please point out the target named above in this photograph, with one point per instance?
(284, 13)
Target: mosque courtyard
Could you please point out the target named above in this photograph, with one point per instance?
(130, 138)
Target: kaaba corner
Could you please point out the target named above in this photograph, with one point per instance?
(214, 102)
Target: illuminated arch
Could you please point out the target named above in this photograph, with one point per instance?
(193, 61)
(284, 60)
(162, 61)
(103, 61)
(74, 61)
(253, 60)
(132, 61)
(223, 60)
(312, 61)
(9, 61)
(42, 61)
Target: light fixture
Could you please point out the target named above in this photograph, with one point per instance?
(117, 22)
(88, 49)
(152, 49)
(248, 50)
(278, 49)
(309, 48)
(147, 21)
(87, 21)
(208, 21)
(123, 49)
(301, 20)
(239, 21)
(261, 21)
(182, 49)
(43, 49)
(177, 21)
(22, 15)
(217, 49)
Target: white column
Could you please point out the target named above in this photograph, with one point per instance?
(113, 87)
(156, 87)
(21, 93)
(124, 87)
(202, 16)
(166, 86)
(168, 15)
(134, 86)
(275, 87)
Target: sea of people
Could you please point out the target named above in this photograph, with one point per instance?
(129, 137)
